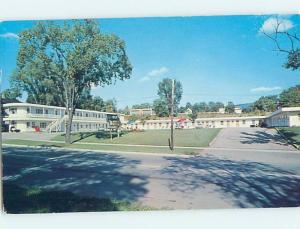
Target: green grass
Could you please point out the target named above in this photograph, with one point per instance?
(187, 151)
(187, 138)
(292, 133)
(19, 199)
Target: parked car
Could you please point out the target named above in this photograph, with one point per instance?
(14, 129)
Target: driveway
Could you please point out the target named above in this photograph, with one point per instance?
(251, 138)
(213, 179)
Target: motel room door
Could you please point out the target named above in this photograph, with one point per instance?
(237, 122)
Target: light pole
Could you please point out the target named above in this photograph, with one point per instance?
(171, 140)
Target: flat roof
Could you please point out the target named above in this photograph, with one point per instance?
(284, 109)
(46, 106)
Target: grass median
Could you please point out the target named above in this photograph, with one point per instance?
(104, 148)
(291, 133)
(185, 138)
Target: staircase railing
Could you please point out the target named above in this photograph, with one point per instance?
(56, 124)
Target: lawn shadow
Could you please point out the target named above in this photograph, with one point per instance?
(246, 184)
(23, 200)
(290, 135)
(86, 174)
(103, 135)
(262, 137)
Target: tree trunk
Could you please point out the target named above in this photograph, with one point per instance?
(69, 127)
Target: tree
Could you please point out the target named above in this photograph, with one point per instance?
(290, 97)
(141, 106)
(111, 105)
(160, 108)
(286, 41)
(12, 93)
(58, 63)
(266, 103)
(165, 93)
(230, 107)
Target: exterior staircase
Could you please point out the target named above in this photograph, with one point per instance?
(56, 125)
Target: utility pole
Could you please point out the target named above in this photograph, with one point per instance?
(171, 141)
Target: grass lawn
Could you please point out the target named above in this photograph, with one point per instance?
(188, 151)
(19, 199)
(187, 138)
(292, 133)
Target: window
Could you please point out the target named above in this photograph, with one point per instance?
(28, 124)
(33, 124)
(13, 122)
(43, 125)
(244, 121)
(39, 111)
(46, 111)
(13, 110)
(56, 112)
(86, 115)
(28, 110)
(222, 123)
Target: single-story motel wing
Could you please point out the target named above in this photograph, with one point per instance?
(28, 117)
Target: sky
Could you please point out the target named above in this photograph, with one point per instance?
(216, 58)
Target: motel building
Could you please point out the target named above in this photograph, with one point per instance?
(26, 117)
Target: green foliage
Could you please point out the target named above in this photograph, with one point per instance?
(12, 93)
(290, 97)
(230, 107)
(141, 106)
(266, 103)
(165, 93)
(160, 108)
(57, 64)
(293, 60)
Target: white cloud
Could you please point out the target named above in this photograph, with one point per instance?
(9, 35)
(158, 72)
(154, 73)
(265, 89)
(145, 78)
(271, 23)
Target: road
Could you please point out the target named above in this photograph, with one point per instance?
(220, 177)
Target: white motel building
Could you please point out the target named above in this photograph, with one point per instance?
(27, 117)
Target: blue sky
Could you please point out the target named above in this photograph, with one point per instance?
(220, 58)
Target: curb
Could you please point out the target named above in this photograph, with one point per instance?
(101, 151)
(210, 144)
(285, 138)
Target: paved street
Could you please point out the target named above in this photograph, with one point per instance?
(216, 178)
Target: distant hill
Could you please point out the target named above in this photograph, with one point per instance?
(245, 105)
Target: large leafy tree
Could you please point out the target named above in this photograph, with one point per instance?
(266, 103)
(165, 93)
(230, 107)
(58, 63)
(12, 93)
(160, 108)
(290, 97)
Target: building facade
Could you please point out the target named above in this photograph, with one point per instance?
(26, 117)
(284, 117)
(142, 112)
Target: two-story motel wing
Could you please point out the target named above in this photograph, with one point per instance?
(28, 117)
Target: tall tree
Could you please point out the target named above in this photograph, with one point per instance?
(266, 103)
(230, 107)
(165, 93)
(160, 108)
(64, 60)
(111, 105)
(290, 97)
(12, 93)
